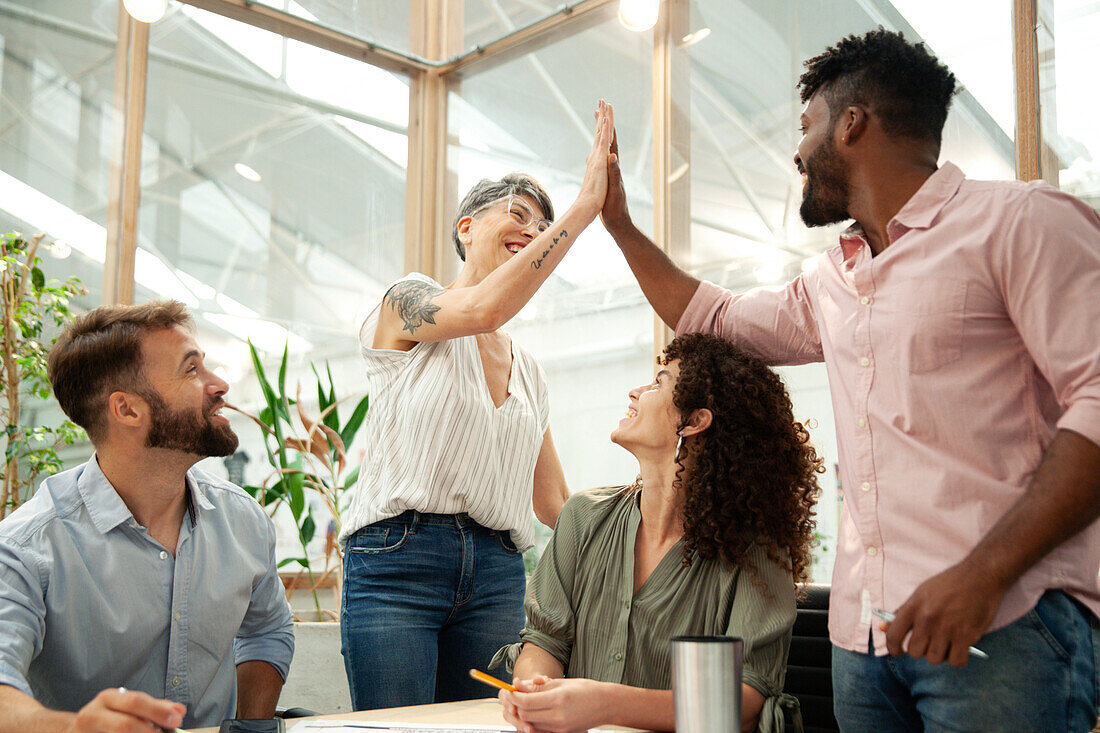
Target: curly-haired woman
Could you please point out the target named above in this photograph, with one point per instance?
(711, 539)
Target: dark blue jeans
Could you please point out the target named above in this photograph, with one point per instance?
(426, 598)
(1041, 676)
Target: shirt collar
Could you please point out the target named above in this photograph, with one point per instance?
(106, 508)
(920, 210)
(918, 213)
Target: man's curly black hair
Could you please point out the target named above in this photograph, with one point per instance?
(901, 82)
(752, 475)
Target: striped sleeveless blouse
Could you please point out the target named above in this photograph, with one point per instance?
(435, 441)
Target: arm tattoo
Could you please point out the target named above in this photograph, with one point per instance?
(538, 263)
(412, 301)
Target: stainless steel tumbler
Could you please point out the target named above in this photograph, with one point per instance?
(706, 683)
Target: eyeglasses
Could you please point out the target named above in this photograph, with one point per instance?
(521, 214)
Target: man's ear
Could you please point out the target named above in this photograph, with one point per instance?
(126, 409)
(697, 422)
(853, 124)
(464, 229)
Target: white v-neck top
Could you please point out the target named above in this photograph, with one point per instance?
(436, 442)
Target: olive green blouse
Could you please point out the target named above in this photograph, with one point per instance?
(581, 607)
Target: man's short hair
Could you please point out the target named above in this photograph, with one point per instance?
(486, 191)
(100, 352)
(901, 82)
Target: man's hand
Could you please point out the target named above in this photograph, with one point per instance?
(119, 710)
(544, 705)
(945, 615)
(614, 215)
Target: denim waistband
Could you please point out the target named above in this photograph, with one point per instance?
(414, 518)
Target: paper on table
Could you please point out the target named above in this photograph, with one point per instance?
(367, 726)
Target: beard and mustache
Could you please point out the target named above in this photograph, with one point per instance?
(188, 430)
(825, 198)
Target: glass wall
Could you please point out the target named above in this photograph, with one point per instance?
(273, 184)
(56, 115)
(589, 325)
(1067, 68)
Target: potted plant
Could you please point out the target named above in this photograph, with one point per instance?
(308, 456)
(33, 308)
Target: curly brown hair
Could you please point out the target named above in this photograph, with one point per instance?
(751, 477)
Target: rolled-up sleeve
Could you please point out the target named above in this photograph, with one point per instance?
(774, 323)
(1051, 285)
(267, 631)
(763, 616)
(22, 613)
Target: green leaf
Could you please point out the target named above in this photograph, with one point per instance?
(355, 421)
(296, 497)
(352, 478)
(37, 278)
(333, 419)
(307, 530)
(287, 560)
(273, 406)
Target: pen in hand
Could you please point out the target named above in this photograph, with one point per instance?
(888, 617)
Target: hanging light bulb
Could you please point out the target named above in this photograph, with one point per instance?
(147, 11)
(639, 15)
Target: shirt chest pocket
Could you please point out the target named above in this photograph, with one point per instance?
(922, 326)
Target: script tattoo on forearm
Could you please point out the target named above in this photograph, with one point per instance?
(538, 263)
(412, 302)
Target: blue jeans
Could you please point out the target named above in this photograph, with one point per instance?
(1041, 675)
(426, 598)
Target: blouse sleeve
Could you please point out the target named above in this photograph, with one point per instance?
(551, 623)
(763, 615)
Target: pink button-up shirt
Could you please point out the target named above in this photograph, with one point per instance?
(953, 356)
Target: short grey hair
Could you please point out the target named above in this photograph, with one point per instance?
(486, 191)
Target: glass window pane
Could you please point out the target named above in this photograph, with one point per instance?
(589, 325)
(1067, 65)
(273, 187)
(56, 117)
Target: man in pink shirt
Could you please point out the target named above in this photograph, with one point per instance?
(959, 322)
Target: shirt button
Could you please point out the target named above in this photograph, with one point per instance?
(163, 555)
(865, 361)
(176, 615)
(862, 422)
(618, 657)
(872, 551)
(175, 682)
(866, 486)
(865, 300)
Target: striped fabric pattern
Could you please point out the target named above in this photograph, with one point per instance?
(435, 441)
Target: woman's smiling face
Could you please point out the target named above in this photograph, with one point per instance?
(504, 228)
(652, 421)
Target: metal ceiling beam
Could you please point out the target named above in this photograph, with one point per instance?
(566, 21)
(315, 34)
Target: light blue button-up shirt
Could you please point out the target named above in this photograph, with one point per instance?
(88, 600)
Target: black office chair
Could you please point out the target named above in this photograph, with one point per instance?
(810, 664)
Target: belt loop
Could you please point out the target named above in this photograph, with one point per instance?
(414, 520)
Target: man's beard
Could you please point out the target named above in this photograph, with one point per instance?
(187, 430)
(825, 200)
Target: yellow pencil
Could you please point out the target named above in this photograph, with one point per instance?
(490, 680)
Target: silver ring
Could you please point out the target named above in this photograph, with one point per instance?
(121, 690)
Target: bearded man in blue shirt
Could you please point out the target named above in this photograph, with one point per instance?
(135, 590)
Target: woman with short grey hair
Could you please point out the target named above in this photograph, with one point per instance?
(458, 450)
